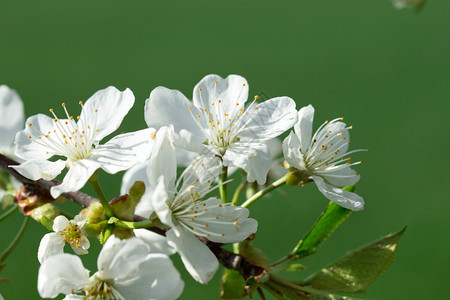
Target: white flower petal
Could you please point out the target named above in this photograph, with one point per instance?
(119, 259)
(165, 107)
(124, 151)
(276, 169)
(37, 169)
(11, 117)
(30, 147)
(156, 242)
(111, 105)
(275, 147)
(159, 202)
(84, 245)
(268, 119)
(225, 224)
(51, 244)
(212, 88)
(76, 177)
(254, 158)
(344, 198)
(291, 151)
(163, 160)
(198, 259)
(79, 220)
(184, 157)
(341, 177)
(303, 128)
(61, 273)
(138, 173)
(155, 278)
(189, 141)
(60, 223)
(73, 297)
(201, 172)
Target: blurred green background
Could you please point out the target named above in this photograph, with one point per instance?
(386, 71)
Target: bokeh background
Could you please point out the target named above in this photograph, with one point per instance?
(386, 71)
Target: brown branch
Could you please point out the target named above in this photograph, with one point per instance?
(42, 188)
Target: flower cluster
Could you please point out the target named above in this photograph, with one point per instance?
(212, 136)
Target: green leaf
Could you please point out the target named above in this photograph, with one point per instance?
(125, 205)
(233, 285)
(255, 256)
(358, 269)
(327, 223)
(285, 289)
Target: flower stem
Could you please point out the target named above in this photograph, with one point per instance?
(16, 240)
(8, 213)
(134, 225)
(223, 186)
(238, 192)
(101, 196)
(268, 189)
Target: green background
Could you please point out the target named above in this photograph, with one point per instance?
(386, 71)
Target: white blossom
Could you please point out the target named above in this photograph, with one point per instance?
(126, 270)
(11, 122)
(217, 122)
(11, 118)
(324, 155)
(71, 232)
(180, 205)
(78, 141)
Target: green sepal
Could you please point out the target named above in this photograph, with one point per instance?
(327, 223)
(123, 233)
(125, 205)
(232, 285)
(358, 269)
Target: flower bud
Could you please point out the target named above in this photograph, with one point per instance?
(49, 211)
(94, 213)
